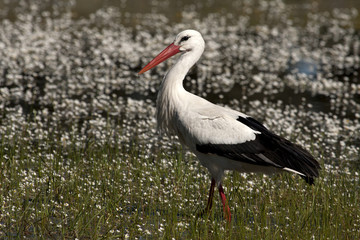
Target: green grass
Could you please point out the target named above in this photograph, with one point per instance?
(88, 190)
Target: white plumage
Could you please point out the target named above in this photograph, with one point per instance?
(221, 138)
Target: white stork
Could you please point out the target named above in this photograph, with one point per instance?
(221, 138)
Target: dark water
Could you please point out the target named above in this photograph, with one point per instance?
(174, 10)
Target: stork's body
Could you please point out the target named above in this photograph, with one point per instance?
(221, 138)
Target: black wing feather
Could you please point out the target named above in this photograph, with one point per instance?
(281, 152)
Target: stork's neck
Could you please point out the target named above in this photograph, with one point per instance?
(172, 95)
(175, 76)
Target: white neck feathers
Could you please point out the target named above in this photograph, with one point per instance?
(172, 94)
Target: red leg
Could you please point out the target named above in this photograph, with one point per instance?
(211, 195)
(225, 205)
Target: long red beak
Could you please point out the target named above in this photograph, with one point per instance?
(170, 51)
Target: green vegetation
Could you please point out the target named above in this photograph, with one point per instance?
(83, 190)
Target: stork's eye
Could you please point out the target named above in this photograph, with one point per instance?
(185, 38)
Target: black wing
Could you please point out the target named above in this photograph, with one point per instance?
(268, 149)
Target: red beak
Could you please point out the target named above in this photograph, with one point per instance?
(170, 51)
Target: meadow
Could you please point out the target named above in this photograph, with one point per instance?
(113, 190)
(80, 157)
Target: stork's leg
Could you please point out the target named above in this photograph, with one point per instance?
(211, 195)
(210, 200)
(225, 205)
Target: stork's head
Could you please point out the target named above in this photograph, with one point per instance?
(185, 42)
(188, 40)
